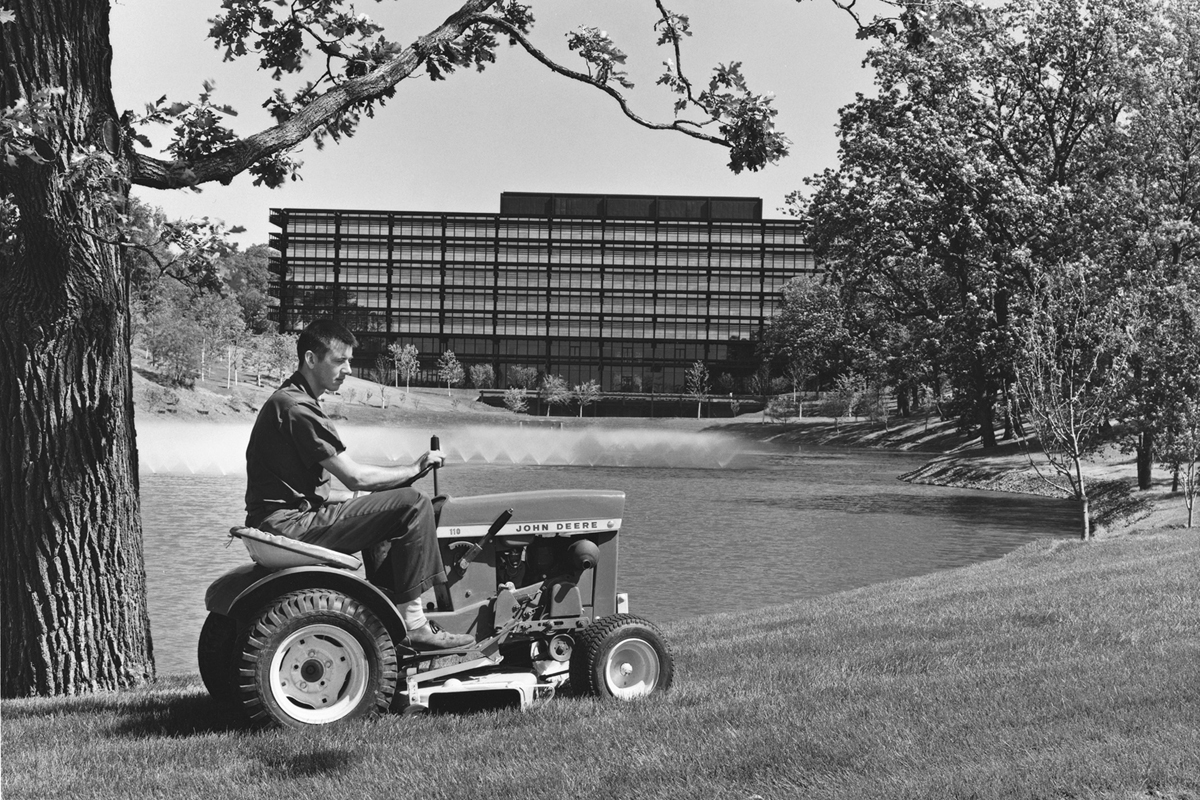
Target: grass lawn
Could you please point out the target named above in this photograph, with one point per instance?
(1065, 669)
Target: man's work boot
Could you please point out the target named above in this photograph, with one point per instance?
(430, 637)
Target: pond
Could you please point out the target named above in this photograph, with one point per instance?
(712, 522)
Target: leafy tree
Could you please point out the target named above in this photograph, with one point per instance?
(555, 392)
(68, 160)
(385, 368)
(283, 357)
(450, 370)
(247, 278)
(807, 331)
(586, 393)
(981, 158)
(760, 386)
(1071, 366)
(222, 328)
(482, 376)
(173, 342)
(1180, 451)
(516, 399)
(844, 400)
(407, 361)
(696, 379)
(522, 377)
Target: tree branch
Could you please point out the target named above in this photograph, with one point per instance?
(687, 127)
(228, 162)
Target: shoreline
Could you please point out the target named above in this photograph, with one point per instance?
(1117, 506)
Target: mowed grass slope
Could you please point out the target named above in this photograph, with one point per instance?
(1062, 670)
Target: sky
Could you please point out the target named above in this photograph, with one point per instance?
(455, 145)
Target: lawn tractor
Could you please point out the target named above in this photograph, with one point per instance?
(305, 635)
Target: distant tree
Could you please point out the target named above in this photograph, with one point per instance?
(407, 361)
(807, 331)
(586, 394)
(516, 399)
(385, 368)
(522, 377)
(483, 376)
(222, 327)
(245, 273)
(284, 359)
(848, 390)
(1180, 451)
(760, 386)
(173, 342)
(696, 379)
(450, 370)
(555, 391)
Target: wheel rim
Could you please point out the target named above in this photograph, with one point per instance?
(632, 669)
(319, 674)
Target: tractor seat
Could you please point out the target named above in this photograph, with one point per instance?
(279, 552)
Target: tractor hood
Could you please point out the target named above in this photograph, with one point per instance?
(550, 512)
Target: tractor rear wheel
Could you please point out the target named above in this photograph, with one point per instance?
(621, 656)
(314, 657)
(216, 655)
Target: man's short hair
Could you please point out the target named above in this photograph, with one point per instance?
(319, 337)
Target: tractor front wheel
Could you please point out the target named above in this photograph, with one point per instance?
(621, 656)
(314, 657)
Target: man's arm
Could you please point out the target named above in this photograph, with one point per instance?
(369, 478)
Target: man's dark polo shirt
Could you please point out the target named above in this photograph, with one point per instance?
(290, 439)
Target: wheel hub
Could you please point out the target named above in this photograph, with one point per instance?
(633, 669)
(320, 673)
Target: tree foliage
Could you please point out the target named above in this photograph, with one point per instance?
(1007, 142)
(482, 376)
(407, 360)
(586, 393)
(555, 391)
(450, 370)
(696, 381)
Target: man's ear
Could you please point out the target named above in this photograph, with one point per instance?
(310, 359)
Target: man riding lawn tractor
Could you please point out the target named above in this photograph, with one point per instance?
(300, 638)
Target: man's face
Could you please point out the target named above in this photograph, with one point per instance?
(331, 369)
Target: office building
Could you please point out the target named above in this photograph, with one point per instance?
(628, 290)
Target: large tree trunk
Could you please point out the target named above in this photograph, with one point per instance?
(74, 584)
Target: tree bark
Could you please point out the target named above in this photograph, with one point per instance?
(74, 583)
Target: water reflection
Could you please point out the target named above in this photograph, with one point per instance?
(769, 529)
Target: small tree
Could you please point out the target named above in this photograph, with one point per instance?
(586, 394)
(449, 370)
(282, 347)
(555, 391)
(760, 386)
(407, 361)
(516, 399)
(696, 379)
(1179, 451)
(845, 398)
(483, 376)
(385, 368)
(522, 377)
(1066, 381)
(174, 345)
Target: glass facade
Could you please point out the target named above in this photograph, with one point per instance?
(627, 290)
